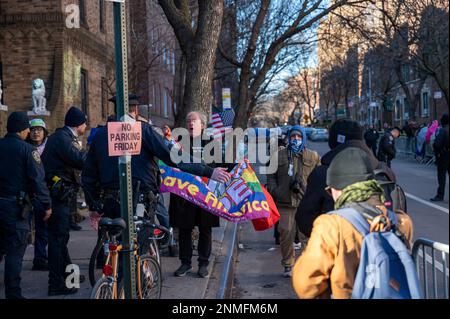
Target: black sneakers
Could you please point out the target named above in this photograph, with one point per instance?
(437, 199)
(183, 270)
(203, 271)
(40, 266)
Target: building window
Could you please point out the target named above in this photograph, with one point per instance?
(166, 103)
(82, 5)
(101, 6)
(425, 104)
(407, 108)
(398, 110)
(405, 72)
(153, 96)
(84, 92)
(173, 63)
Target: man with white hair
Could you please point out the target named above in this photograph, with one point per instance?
(185, 215)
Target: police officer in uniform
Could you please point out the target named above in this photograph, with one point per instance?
(101, 176)
(22, 179)
(62, 156)
(441, 151)
(386, 148)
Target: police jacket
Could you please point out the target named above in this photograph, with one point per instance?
(371, 137)
(101, 171)
(440, 145)
(386, 148)
(63, 156)
(21, 170)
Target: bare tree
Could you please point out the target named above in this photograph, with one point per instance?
(301, 92)
(197, 30)
(269, 33)
(415, 36)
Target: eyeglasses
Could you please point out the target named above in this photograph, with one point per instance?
(34, 129)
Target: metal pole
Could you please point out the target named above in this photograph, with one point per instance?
(126, 200)
(435, 109)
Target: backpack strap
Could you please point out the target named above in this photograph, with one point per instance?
(355, 218)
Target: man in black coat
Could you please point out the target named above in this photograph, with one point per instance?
(441, 151)
(386, 148)
(316, 201)
(185, 215)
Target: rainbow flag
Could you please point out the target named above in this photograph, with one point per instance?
(243, 198)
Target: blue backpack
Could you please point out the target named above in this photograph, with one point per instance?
(386, 269)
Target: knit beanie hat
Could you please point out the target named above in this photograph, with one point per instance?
(17, 122)
(74, 117)
(350, 166)
(342, 131)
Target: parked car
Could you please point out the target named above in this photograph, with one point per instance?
(309, 131)
(319, 134)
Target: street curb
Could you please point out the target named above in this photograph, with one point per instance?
(221, 279)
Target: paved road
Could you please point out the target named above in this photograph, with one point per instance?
(258, 272)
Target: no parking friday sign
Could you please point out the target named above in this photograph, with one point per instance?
(124, 138)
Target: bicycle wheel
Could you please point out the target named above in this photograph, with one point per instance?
(148, 245)
(151, 279)
(94, 273)
(103, 289)
(154, 251)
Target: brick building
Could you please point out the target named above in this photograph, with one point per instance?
(378, 88)
(154, 61)
(76, 64)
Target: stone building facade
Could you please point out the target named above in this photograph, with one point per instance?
(40, 39)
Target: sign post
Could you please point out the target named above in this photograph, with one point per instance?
(126, 193)
(226, 98)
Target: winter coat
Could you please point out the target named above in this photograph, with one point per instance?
(316, 200)
(183, 214)
(330, 261)
(279, 183)
(386, 148)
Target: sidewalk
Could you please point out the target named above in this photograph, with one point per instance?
(35, 283)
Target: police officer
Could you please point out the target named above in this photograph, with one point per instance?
(441, 151)
(100, 173)
(21, 174)
(371, 137)
(62, 156)
(386, 148)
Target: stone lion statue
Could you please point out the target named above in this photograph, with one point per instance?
(39, 100)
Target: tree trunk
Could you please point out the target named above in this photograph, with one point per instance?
(199, 45)
(243, 113)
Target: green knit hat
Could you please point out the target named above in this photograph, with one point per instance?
(350, 166)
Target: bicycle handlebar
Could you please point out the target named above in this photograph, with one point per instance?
(150, 224)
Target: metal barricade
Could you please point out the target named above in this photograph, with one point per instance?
(422, 259)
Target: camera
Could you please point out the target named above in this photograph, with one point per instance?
(296, 186)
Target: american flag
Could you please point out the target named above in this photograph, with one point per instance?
(222, 122)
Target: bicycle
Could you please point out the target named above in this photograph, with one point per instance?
(148, 270)
(147, 238)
